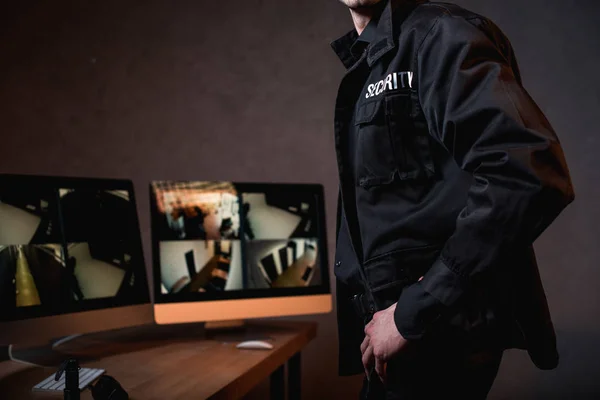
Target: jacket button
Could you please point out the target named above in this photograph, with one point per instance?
(337, 264)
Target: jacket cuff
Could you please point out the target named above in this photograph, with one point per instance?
(423, 303)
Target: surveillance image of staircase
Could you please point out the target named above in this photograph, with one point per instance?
(279, 214)
(33, 275)
(27, 215)
(283, 263)
(196, 210)
(200, 266)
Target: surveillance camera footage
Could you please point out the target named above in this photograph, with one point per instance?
(99, 226)
(28, 215)
(97, 274)
(197, 210)
(278, 214)
(32, 275)
(283, 263)
(62, 246)
(201, 266)
(265, 238)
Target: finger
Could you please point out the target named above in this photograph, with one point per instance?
(380, 369)
(368, 327)
(364, 344)
(420, 279)
(367, 360)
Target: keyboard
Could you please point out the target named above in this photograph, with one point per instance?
(86, 377)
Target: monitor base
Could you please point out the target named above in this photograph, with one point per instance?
(43, 356)
(232, 331)
(93, 346)
(65, 339)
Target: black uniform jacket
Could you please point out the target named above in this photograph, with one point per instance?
(456, 172)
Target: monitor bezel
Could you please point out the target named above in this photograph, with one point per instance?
(246, 187)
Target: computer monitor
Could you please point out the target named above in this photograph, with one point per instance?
(234, 251)
(71, 259)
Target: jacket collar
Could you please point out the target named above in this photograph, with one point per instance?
(384, 35)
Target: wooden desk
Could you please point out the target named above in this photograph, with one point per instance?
(179, 362)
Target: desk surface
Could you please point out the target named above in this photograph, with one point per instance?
(172, 362)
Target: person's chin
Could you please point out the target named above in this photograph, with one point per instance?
(357, 4)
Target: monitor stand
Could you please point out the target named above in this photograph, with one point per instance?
(94, 346)
(47, 355)
(216, 326)
(232, 331)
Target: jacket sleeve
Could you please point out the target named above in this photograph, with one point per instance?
(476, 107)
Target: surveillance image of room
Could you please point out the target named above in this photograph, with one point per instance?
(92, 215)
(101, 269)
(282, 263)
(34, 275)
(279, 214)
(196, 210)
(200, 266)
(101, 230)
(27, 215)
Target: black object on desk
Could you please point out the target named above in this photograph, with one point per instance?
(108, 388)
(70, 368)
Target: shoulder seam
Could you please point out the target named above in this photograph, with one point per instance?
(435, 22)
(437, 19)
(464, 13)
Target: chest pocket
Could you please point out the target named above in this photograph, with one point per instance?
(393, 141)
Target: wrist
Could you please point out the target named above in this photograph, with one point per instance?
(415, 312)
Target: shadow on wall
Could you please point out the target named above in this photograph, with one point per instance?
(576, 377)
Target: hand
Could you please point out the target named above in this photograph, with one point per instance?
(382, 342)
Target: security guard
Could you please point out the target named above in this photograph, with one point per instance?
(448, 173)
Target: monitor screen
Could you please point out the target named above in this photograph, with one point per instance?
(68, 245)
(226, 240)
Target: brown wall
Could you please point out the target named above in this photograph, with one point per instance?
(245, 91)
